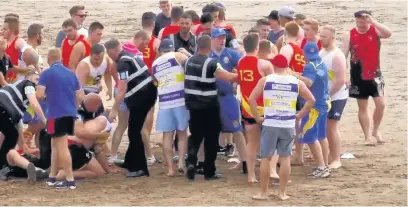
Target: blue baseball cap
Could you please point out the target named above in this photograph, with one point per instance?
(166, 45)
(311, 51)
(217, 32)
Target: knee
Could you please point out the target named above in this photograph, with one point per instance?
(11, 154)
(380, 106)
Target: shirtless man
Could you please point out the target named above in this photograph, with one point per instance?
(250, 70)
(78, 14)
(150, 53)
(311, 29)
(91, 69)
(11, 30)
(365, 73)
(336, 64)
(83, 48)
(73, 37)
(174, 27)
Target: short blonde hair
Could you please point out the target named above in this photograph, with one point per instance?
(265, 46)
(330, 28)
(313, 23)
(54, 54)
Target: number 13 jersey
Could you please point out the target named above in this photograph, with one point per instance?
(248, 76)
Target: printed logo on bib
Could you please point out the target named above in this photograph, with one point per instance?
(123, 75)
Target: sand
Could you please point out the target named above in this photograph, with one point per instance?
(377, 177)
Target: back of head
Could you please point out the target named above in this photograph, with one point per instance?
(94, 26)
(300, 17)
(54, 54)
(141, 34)
(69, 23)
(204, 42)
(97, 49)
(176, 13)
(206, 18)
(12, 15)
(292, 29)
(148, 19)
(264, 46)
(112, 44)
(31, 73)
(34, 30)
(251, 43)
(194, 15)
(75, 9)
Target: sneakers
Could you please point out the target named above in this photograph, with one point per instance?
(151, 160)
(321, 172)
(51, 181)
(3, 173)
(65, 185)
(229, 150)
(221, 150)
(115, 160)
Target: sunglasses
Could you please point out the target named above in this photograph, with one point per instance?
(82, 15)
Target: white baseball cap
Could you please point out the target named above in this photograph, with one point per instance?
(287, 11)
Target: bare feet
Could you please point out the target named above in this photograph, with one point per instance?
(283, 196)
(335, 164)
(297, 162)
(252, 180)
(369, 142)
(171, 173)
(260, 196)
(237, 166)
(378, 137)
(274, 176)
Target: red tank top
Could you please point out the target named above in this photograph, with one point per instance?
(87, 47)
(14, 54)
(149, 54)
(304, 41)
(248, 76)
(198, 30)
(365, 48)
(230, 28)
(67, 49)
(297, 62)
(196, 22)
(169, 30)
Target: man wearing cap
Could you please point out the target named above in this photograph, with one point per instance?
(313, 125)
(276, 28)
(278, 126)
(172, 115)
(230, 112)
(363, 43)
(287, 14)
(231, 34)
(201, 99)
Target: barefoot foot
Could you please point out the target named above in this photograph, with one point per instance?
(171, 173)
(369, 142)
(379, 138)
(260, 196)
(335, 164)
(283, 197)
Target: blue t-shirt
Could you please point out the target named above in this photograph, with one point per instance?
(317, 72)
(274, 36)
(60, 85)
(229, 60)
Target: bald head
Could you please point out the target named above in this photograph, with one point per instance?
(92, 102)
(54, 55)
(30, 57)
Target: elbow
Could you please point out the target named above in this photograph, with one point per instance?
(388, 34)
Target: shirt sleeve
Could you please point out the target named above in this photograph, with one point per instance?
(123, 69)
(235, 57)
(60, 37)
(309, 72)
(76, 84)
(29, 88)
(156, 28)
(43, 78)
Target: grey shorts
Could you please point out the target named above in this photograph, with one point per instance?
(276, 139)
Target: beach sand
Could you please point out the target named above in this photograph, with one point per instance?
(376, 177)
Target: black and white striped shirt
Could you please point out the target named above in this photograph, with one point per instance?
(13, 98)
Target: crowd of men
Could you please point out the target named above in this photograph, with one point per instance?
(292, 82)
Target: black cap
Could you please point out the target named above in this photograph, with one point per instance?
(166, 45)
(273, 15)
(360, 13)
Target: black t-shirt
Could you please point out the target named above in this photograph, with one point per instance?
(189, 45)
(85, 115)
(161, 22)
(5, 64)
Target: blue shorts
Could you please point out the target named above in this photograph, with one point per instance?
(230, 114)
(313, 127)
(337, 108)
(122, 106)
(30, 117)
(169, 120)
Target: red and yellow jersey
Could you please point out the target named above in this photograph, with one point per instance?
(248, 76)
(297, 62)
(149, 54)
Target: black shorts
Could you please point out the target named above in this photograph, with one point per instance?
(80, 156)
(363, 89)
(61, 126)
(248, 121)
(299, 104)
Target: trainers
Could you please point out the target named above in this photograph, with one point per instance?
(321, 172)
(31, 173)
(151, 160)
(65, 184)
(230, 150)
(221, 150)
(115, 160)
(3, 173)
(51, 181)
